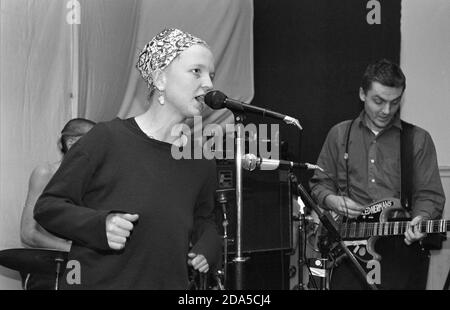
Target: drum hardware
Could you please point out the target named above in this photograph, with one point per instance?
(34, 261)
(222, 200)
(301, 234)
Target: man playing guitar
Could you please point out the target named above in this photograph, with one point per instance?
(363, 160)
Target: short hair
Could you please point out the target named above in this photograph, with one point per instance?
(384, 72)
(76, 127)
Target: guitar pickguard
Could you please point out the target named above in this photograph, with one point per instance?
(359, 248)
(379, 212)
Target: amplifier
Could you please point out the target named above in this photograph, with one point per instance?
(267, 208)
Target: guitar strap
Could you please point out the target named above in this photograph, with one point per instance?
(347, 141)
(406, 161)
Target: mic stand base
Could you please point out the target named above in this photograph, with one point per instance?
(239, 264)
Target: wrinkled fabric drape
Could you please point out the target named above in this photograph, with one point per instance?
(106, 47)
(34, 102)
(110, 43)
(226, 25)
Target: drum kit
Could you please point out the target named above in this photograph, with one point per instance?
(30, 261)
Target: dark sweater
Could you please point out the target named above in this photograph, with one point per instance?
(117, 168)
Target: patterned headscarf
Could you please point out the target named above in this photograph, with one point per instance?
(162, 49)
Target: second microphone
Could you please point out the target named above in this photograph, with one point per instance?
(250, 162)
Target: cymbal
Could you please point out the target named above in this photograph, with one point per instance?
(32, 260)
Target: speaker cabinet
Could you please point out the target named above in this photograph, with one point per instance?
(267, 208)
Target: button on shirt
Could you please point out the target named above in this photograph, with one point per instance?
(375, 167)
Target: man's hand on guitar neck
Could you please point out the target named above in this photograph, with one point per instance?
(413, 234)
(344, 206)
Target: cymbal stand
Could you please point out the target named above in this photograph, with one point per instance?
(222, 200)
(58, 261)
(301, 232)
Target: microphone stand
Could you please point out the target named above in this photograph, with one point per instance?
(327, 222)
(301, 240)
(239, 260)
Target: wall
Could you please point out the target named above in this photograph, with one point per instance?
(424, 58)
(425, 51)
(440, 260)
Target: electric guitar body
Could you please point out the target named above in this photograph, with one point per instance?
(380, 219)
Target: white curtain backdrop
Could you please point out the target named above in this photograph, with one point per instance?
(38, 63)
(110, 42)
(106, 53)
(226, 25)
(35, 102)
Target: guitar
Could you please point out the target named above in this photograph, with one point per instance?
(360, 235)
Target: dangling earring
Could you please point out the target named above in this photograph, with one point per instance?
(161, 98)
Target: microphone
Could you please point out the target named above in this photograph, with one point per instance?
(217, 100)
(250, 162)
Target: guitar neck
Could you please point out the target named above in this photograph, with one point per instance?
(369, 229)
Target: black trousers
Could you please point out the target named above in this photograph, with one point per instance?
(403, 267)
